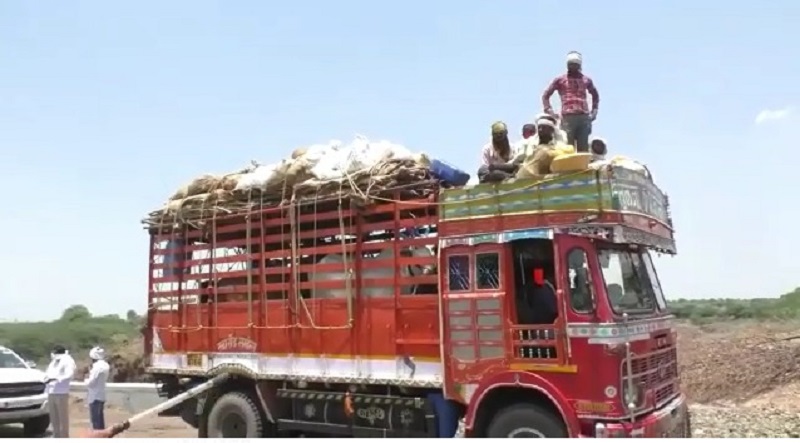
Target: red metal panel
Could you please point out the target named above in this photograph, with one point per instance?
(237, 303)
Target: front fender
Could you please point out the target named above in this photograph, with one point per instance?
(524, 380)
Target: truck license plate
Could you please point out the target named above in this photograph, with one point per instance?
(194, 360)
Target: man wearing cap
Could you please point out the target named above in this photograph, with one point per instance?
(598, 148)
(572, 87)
(559, 134)
(546, 132)
(497, 157)
(96, 388)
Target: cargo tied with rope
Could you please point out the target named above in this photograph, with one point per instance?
(359, 169)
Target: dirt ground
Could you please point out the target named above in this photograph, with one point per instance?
(742, 379)
(156, 427)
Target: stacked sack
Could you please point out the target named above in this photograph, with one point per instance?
(323, 163)
(313, 166)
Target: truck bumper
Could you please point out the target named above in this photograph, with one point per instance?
(17, 410)
(671, 421)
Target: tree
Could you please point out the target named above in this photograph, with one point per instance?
(76, 313)
(132, 316)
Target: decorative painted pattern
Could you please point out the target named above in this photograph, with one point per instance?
(502, 237)
(611, 333)
(610, 189)
(571, 193)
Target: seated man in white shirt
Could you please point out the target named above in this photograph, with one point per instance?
(525, 145)
(598, 148)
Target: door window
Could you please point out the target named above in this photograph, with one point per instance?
(458, 273)
(580, 282)
(487, 271)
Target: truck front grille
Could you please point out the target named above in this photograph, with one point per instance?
(14, 390)
(657, 373)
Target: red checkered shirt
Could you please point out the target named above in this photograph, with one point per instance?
(572, 89)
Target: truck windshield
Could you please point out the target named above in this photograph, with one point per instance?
(631, 282)
(10, 360)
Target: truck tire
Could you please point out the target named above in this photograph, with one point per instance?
(36, 427)
(234, 415)
(524, 420)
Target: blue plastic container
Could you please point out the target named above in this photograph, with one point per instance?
(448, 174)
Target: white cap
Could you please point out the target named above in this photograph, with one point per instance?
(97, 353)
(600, 140)
(545, 122)
(574, 57)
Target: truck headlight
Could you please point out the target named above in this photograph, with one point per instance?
(632, 395)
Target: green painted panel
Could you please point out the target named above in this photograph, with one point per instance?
(614, 189)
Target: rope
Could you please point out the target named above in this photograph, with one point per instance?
(178, 218)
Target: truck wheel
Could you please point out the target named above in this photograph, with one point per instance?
(525, 421)
(235, 415)
(36, 427)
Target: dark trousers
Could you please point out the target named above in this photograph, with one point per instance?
(496, 176)
(578, 128)
(96, 415)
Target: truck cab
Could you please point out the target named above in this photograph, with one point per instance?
(560, 327)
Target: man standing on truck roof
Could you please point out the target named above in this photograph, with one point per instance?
(572, 87)
(58, 378)
(497, 157)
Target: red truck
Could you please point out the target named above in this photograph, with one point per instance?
(523, 309)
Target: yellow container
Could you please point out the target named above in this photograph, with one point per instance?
(571, 162)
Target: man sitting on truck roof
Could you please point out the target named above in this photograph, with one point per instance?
(598, 148)
(497, 157)
(526, 144)
(559, 135)
(547, 131)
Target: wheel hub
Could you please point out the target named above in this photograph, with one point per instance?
(234, 426)
(526, 433)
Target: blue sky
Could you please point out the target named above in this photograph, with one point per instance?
(107, 107)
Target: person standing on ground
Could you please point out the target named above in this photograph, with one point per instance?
(96, 388)
(572, 87)
(58, 378)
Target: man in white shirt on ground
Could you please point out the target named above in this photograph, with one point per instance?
(58, 378)
(96, 388)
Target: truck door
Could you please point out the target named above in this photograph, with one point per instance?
(536, 314)
(576, 258)
(473, 312)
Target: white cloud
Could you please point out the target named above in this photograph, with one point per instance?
(774, 114)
